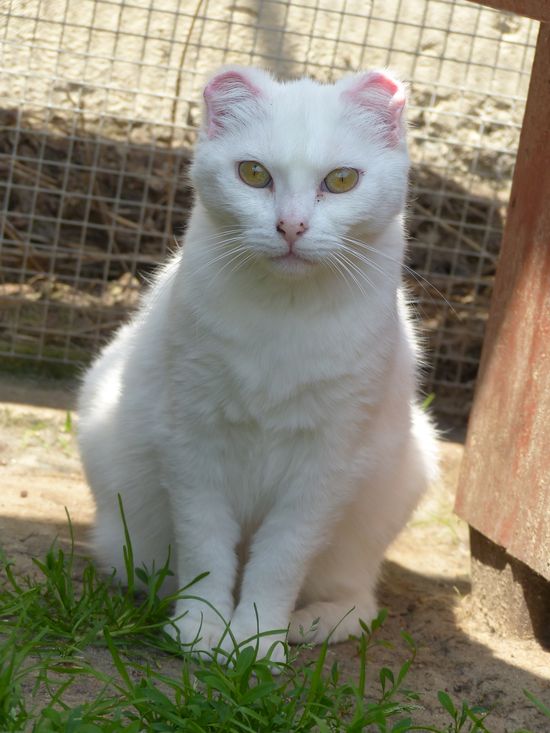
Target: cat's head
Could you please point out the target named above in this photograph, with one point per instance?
(291, 169)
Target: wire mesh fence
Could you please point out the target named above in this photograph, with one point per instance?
(100, 101)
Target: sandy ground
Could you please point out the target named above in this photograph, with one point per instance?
(425, 581)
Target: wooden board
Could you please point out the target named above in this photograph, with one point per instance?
(537, 9)
(504, 486)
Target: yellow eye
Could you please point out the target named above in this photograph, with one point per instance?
(254, 174)
(341, 180)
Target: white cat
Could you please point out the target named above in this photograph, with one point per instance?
(258, 413)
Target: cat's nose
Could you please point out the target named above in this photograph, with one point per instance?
(291, 230)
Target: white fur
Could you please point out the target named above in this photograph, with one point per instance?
(267, 405)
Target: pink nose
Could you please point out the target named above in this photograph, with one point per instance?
(291, 230)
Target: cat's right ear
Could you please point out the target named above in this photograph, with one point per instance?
(231, 97)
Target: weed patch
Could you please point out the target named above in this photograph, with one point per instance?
(56, 625)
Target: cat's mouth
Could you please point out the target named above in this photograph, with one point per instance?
(292, 265)
(292, 258)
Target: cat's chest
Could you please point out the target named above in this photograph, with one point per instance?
(281, 375)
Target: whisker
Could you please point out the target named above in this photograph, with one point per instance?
(358, 269)
(213, 245)
(224, 254)
(215, 240)
(179, 242)
(367, 261)
(371, 263)
(333, 262)
(226, 230)
(344, 264)
(420, 279)
(362, 275)
(220, 235)
(236, 254)
(240, 264)
(350, 268)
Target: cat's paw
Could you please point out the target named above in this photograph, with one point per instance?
(208, 637)
(324, 620)
(198, 634)
(268, 646)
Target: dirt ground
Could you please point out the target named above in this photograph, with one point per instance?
(425, 582)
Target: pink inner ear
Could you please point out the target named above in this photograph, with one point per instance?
(384, 96)
(228, 81)
(224, 92)
(377, 79)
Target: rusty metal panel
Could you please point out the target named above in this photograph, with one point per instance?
(504, 486)
(537, 9)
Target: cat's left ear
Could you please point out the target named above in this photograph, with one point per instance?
(383, 97)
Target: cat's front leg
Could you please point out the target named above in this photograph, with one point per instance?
(206, 535)
(280, 554)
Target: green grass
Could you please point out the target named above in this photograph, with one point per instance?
(56, 624)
